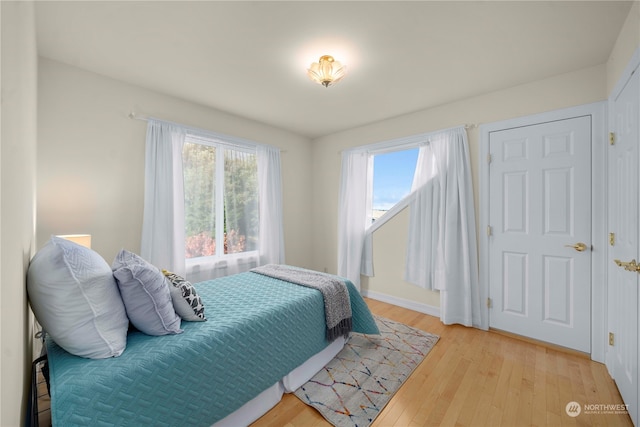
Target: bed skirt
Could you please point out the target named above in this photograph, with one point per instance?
(269, 398)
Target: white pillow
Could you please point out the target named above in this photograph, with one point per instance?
(146, 295)
(76, 300)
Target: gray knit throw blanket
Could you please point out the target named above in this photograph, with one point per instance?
(337, 305)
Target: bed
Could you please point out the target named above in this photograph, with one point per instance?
(263, 337)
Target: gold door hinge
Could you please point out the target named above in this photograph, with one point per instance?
(489, 230)
(612, 239)
(610, 338)
(612, 138)
(488, 302)
(489, 158)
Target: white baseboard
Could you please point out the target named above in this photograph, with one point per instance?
(404, 303)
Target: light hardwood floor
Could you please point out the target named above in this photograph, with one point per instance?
(478, 378)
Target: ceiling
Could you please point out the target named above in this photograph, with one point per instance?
(250, 58)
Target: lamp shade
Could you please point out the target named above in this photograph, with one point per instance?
(81, 239)
(327, 71)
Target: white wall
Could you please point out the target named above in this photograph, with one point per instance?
(17, 206)
(576, 88)
(627, 42)
(91, 159)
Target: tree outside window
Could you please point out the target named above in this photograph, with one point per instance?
(221, 200)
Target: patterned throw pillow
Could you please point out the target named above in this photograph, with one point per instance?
(186, 300)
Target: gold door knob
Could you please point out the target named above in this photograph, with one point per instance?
(580, 247)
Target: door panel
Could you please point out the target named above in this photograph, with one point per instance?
(540, 201)
(515, 294)
(623, 221)
(558, 191)
(557, 292)
(515, 215)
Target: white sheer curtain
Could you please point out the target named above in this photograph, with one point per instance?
(163, 219)
(423, 221)
(271, 218)
(163, 228)
(354, 213)
(442, 249)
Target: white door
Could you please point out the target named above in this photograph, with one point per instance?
(623, 223)
(540, 243)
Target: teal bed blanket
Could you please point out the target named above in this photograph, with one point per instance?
(258, 330)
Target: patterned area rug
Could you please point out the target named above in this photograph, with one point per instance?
(357, 384)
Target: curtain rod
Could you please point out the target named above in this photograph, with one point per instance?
(134, 116)
(204, 132)
(406, 140)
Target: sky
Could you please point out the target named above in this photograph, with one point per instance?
(392, 177)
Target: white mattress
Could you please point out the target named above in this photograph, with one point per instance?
(269, 398)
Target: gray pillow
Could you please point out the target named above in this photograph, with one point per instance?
(145, 294)
(76, 300)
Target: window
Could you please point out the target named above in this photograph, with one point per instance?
(202, 218)
(444, 165)
(392, 179)
(221, 199)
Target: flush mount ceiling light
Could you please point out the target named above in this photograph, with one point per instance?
(327, 71)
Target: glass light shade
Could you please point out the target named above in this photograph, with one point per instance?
(81, 239)
(327, 71)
